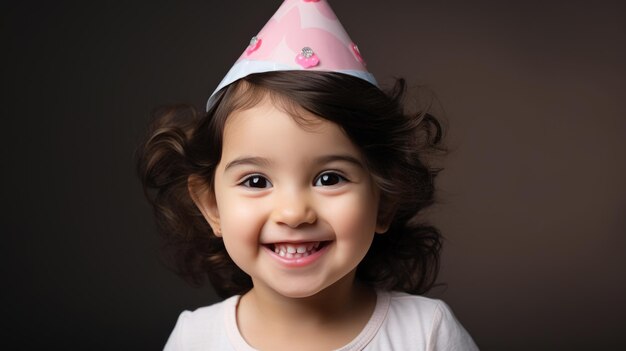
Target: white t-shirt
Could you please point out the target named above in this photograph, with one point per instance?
(400, 322)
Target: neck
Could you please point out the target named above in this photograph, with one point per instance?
(329, 306)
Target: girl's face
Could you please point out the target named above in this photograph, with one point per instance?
(295, 206)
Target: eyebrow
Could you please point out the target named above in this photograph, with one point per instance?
(254, 161)
(264, 162)
(345, 158)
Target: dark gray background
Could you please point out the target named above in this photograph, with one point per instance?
(532, 201)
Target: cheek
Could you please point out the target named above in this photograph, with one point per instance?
(353, 217)
(237, 217)
(354, 228)
(241, 228)
(241, 224)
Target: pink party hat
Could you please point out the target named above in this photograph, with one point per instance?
(302, 35)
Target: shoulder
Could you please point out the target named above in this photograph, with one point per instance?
(202, 328)
(427, 322)
(416, 304)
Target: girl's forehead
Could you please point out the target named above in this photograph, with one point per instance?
(268, 128)
(268, 110)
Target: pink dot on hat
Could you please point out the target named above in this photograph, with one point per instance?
(255, 42)
(307, 58)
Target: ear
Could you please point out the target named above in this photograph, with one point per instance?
(204, 198)
(386, 212)
(382, 226)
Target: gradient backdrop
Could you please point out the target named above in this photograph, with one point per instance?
(532, 200)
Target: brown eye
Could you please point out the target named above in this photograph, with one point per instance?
(329, 179)
(257, 182)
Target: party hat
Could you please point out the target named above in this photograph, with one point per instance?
(302, 35)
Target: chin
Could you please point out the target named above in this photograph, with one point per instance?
(298, 293)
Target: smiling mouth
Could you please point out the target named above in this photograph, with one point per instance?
(297, 250)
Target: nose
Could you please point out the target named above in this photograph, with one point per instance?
(293, 208)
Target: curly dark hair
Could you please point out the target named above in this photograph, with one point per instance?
(396, 145)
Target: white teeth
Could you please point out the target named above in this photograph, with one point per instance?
(295, 251)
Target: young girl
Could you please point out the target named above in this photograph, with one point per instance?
(299, 195)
